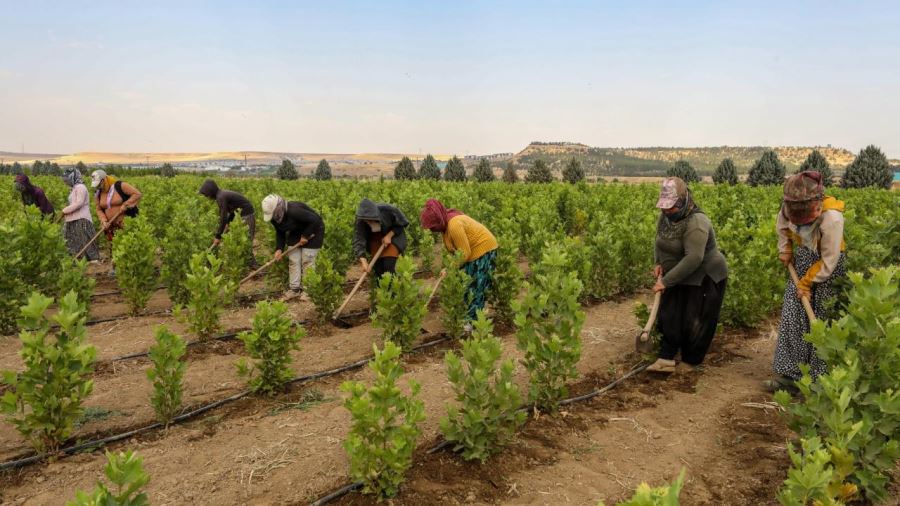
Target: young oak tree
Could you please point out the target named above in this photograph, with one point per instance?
(399, 308)
(454, 296)
(134, 255)
(208, 293)
(270, 344)
(507, 280)
(325, 287)
(126, 472)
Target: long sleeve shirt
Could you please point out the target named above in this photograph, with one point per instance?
(825, 236)
(229, 202)
(299, 221)
(79, 204)
(468, 236)
(687, 251)
(391, 218)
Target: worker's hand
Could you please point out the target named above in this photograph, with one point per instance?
(216, 242)
(659, 286)
(278, 255)
(657, 271)
(302, 241)
(803, 292)
(443, 273)
(103, 224)
(386, 240)
(364, 264)
(786, 258)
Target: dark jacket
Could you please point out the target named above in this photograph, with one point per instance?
(299, 220)
(687, 251)
(228, 202)
(33, 195)
(390, 217)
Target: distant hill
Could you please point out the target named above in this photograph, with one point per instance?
(656, 160)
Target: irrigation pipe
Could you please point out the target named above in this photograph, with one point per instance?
(346, 489)
(25, 461)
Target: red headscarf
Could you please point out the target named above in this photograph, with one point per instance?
(435, 216)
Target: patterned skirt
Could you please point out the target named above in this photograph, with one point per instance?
(791, 349)
(481, 270)
(77, 233)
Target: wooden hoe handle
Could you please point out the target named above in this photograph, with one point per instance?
(359, 282)
(803, 299)
(270, 262)
(102, 229)
(645, 333)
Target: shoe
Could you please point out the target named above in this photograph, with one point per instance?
(290, 295)
(662, 365)
(781, 383)
(304, 297)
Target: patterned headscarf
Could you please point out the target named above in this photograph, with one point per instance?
(803, 195)
(72, 176)
(435, 216)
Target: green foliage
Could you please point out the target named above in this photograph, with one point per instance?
(167, 374)
(74, 278)
(425, 252)
(573, 171)
(486, 415)
(270, 344)
(399, 308)
(325, 287)
(126, 472)
(869, 168)
(725, 173)
(287, 171)
(483, 172)
(454, 296)
(855, 407)
(12, 285)
(323, 171)
(43, 248)
(405, 171)
(539, 173)
(685, 171)
(817, 476)
(549, 321)
(429, 169)
(507, 280)
(235, 250)
(509, 173)
(167, 170)
(645, 495)
(768, 170)
(455, 170)
(134, 255)
(208, 293)
(45, 400)
(179, 244)
(385, 425)
(816, 161)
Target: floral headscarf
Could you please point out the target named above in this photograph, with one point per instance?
(435, 216)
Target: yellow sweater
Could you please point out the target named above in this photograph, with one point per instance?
(467, 235)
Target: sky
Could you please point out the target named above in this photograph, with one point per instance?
(456, 77)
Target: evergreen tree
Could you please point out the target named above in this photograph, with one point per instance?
(573, 172)
(16, 168)
(37, 168)
(539, 173)
(816, 161)
(685, 171)
(869, 168)
(429, 169)
(725, 173)
(167, 170)
(287, 170)
(404, 171)
(455, 170)
(483, 171)
(768, 170)
(82, 168)
(509, 174)
(323, 171)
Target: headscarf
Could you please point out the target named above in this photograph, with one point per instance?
(684, 200)
(209, 189)
(23, 185)
(803, 195)
(435, 216)
(274, 206)
(72, 177)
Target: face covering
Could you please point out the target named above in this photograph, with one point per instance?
(375, 226)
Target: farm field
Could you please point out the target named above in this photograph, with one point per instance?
(716, 422)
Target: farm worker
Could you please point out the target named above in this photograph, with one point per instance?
(810, 229)
(32, 195)
(229, 202)
(691, 273)
(476, 243)
(78, 226)
(111, 197)
(294, 222)
(378, 224)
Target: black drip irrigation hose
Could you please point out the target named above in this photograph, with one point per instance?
(25, 461)
(346, 489)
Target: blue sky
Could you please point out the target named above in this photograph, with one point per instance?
(446, 77)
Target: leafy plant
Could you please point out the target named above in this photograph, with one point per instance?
(325, 287)
(488, 399)
(45, 400)
(817, 476)
(399, 308)
(46, 250)
(454, 296)
(134, 254)
(507, 280)
(549, 321)
(270, 344)
(855, 407)
(385, 425)
(208, 293)
(167, 374)
(666, 495)
(179, 244)
(235, 250)
(12, 285)
(74, 278)
(126, 472)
